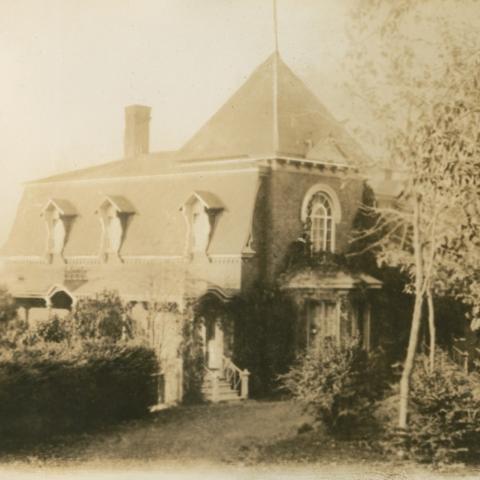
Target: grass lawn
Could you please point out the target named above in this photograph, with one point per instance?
(249, 434)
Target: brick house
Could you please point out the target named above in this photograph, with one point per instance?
(271, 169)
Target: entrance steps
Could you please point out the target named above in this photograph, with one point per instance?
(224, 391)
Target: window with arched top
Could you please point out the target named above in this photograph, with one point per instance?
(321, 223)
(320, 213)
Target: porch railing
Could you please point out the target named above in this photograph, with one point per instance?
(234, 376)
(237, 378)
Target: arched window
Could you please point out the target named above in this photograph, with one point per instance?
(321, 223)
(320, 214)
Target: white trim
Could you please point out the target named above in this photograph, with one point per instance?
(25, 258)
(153, 257)
(312, 162)
(257, 158)
(194, 163)
(330, 192)
(142, 177)
(57, 287)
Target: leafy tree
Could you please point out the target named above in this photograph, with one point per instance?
(422, 90)
(8, 309)
(103, 316)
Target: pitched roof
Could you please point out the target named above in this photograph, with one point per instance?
(120, 203)
(208, 199)
(272, 113)
(62, 205)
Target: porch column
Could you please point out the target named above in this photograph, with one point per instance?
(244, 376)
(367, 327)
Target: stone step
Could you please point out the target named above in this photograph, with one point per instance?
(221, 386)
(225, 392)
(225, 397)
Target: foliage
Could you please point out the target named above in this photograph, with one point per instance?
(8, 309)
(193, 357)
(264, 333)
(43, 394)
(430, 109)
(338, 385)
(444, 421)
(73, 373)
(103, 316)
(56, 330)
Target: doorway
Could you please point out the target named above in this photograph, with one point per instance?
(214, 341)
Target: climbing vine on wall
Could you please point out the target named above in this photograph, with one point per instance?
(192, 353)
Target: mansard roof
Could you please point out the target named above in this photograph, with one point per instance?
(158, 227)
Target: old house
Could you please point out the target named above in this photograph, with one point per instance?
(205, 223)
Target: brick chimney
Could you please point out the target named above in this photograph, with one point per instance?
(137, 130)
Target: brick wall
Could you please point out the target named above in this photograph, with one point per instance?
(279, 222)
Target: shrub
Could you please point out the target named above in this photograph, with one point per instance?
(56, 330)
(264, 328)
(8, 308)
(43, 394)
(339, 385)
(444, 420)
(103, 316)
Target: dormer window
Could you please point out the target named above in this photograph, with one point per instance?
(115, 212)
(320, 213)
(58, 216)
(201, 211)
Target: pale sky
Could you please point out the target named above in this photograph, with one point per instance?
(69, 67)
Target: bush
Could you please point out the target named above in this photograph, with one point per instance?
(44, 392)
(444, 419)
(191, 350)
(264, 328)
(103, 316)
(56, 330)
(339, 385)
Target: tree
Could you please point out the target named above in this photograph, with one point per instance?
(423, 91)
(103, 317)
(8, 309)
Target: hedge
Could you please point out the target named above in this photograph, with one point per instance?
(42, 396)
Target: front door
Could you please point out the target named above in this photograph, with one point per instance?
(322, 325)
(214, 340)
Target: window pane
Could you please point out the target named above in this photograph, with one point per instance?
(321, 226)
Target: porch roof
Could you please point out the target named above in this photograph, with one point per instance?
(314, 279)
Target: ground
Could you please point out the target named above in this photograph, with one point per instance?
(242, 435)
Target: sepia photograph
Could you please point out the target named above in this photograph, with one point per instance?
(240, 239)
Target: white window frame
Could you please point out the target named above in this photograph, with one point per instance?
(322, 222)
(335, 217)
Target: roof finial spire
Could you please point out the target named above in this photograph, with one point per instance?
(275, 28)
(275, 134)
